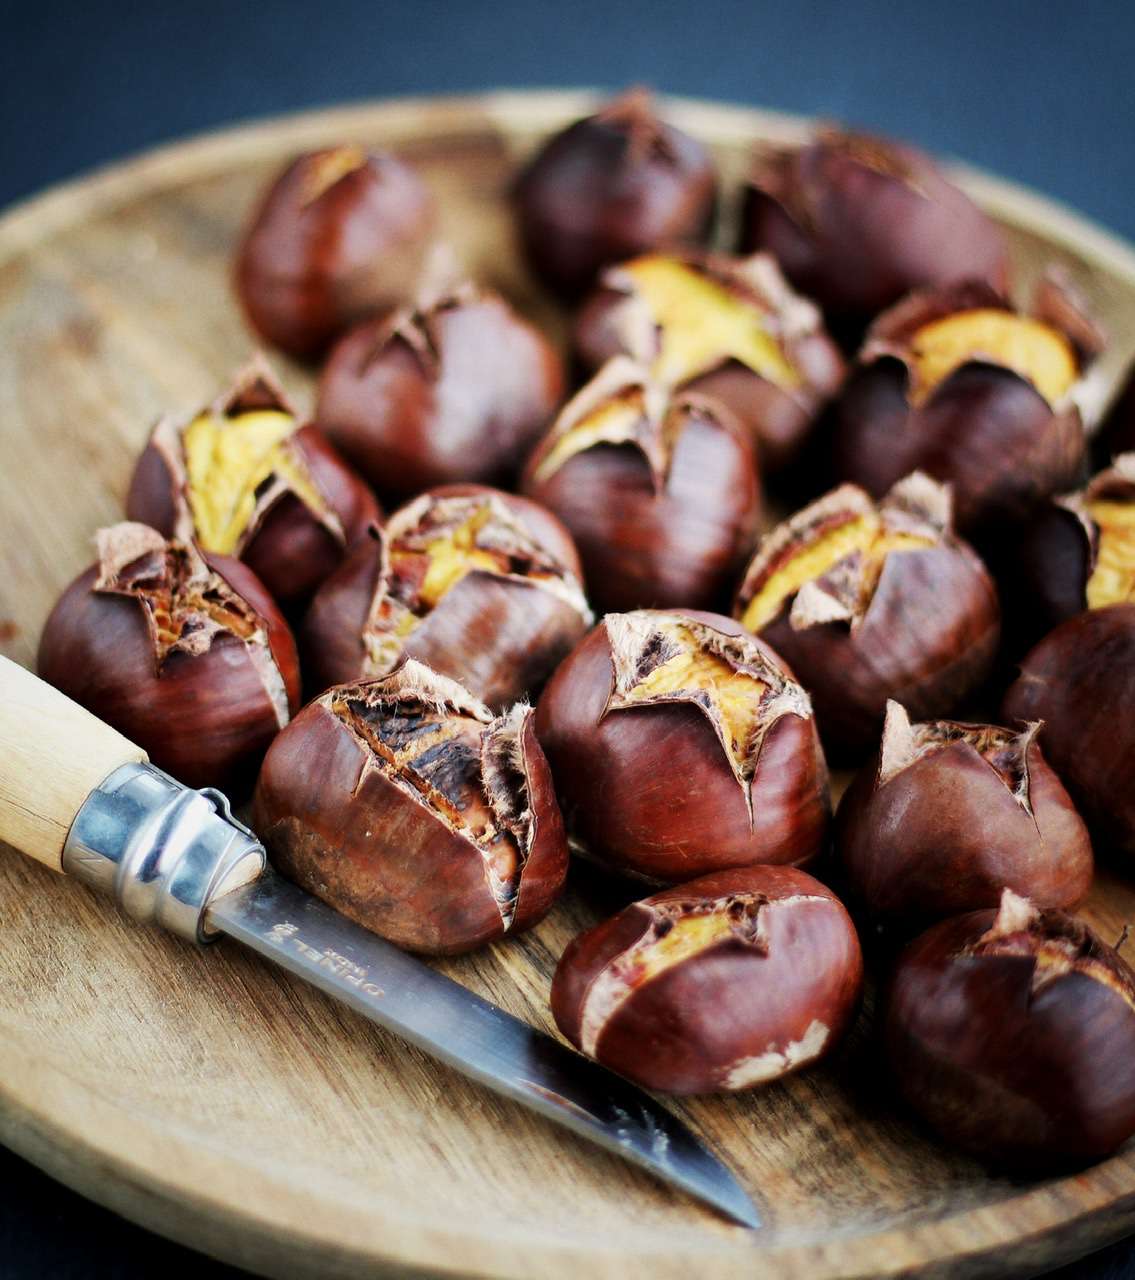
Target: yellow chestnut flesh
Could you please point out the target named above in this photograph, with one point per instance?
(1038, 353)
(701, 324)
(1113, 579)
(864, 535)
(227, 460)
(614, 421)
(329, 167)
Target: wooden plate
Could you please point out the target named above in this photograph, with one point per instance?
(215, 1100)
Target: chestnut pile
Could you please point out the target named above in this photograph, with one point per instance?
(579, 630)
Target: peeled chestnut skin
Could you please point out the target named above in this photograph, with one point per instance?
(608, 187)
(947, 833)
(1080, 681)
(459, 393)
(856, 222)
(374, 847)
(1024, 1069)
(498, 638)
(325, 251)
(769, 995)
(206, 719)
(648, 791)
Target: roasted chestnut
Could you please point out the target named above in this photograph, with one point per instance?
(1076, 553)
(1012, 1032)
(1117, 434)
(1080, 681)
(949, 814)
(481, 586)
(459, 387)
(723, 983)
(185, 653)
(730, 328)
(340, 235)
(857, 221)
(407, 806)
(959, 385)
(608, 187)
(681, 745)
(869, 601)
(245, 478)
(658, 488)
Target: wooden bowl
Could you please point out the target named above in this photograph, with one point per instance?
(215, 1100)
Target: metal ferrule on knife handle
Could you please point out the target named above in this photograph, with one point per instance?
(162, 851)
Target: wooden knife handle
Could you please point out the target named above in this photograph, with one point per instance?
(53, 754)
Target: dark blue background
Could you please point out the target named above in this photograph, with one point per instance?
(1039, 92)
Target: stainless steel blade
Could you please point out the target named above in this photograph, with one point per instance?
(305, 936)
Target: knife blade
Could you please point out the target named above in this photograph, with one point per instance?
(78, 797)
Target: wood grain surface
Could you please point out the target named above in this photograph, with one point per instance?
(221, 1103)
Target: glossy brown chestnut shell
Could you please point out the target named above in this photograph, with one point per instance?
(184, 653)
(730, 328)
(457, 388)
(1080, 681)
(949, 814)
(869, 601)
(659, 490)
(608, 187)
(957, 384)
(482, 586)
(724, 983)
(681, 745)
(1076, 553)
(857, 221)
(1012, 1032)
(340, 235)
(287, 504)
(1117, 434)
(407, 806)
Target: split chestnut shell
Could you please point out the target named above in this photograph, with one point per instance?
(959, 385)
(1012, 1033)
(948, 815)
(340, 235)
(658, 488)
(869, 601)
(406, 805)
(730, 328)
(184, 653)
(608, 187)
(482, 586)
(458, 387)
(724, 983)
(245, 478)
(857, 221)
(681, 745)
(1080, 681)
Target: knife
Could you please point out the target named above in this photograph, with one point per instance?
(80, 798)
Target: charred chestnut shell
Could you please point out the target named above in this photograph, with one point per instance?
(959, 385)
(680, 745)
(949, 814)
(184, 653)
(245, 478)
(1012, 1032)
(608, 187)
(1076, 553)
(340, 235)
(725, 983)
(730, 328)
(1080, 681)
(857, 222)
(405, 804)
(659, 490)
(457, 388)
(869, 601)
(482, 586)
